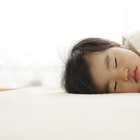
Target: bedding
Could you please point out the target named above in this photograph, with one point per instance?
(132, 41)
(36, 113)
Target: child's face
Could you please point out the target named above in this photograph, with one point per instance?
(115, 66)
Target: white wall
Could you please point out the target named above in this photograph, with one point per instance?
(133, 14)
(40, 32)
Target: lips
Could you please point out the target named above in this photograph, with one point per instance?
(135, 75)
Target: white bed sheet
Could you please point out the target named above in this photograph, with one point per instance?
(34, 113)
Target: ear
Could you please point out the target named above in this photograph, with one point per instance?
(121, 46)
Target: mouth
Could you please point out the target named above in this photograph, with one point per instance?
(136, 75)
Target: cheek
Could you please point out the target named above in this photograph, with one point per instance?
(128, 87)
(124, 61)
(129, 61)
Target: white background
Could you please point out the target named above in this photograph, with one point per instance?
(41, 32)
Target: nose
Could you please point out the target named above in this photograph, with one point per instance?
(121, 74)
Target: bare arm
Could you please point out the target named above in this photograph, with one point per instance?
(5, 89)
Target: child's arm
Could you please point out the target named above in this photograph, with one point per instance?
(4, 89)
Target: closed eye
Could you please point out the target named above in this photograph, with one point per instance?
(116, 64)
(115, 87)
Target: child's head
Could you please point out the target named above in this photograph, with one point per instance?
(97, 65)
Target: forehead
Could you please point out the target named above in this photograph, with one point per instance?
(94, 57)
(97, 68)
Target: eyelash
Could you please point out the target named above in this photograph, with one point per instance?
(115, 86)
(116, 64)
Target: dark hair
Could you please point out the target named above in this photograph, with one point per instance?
(76, 77)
